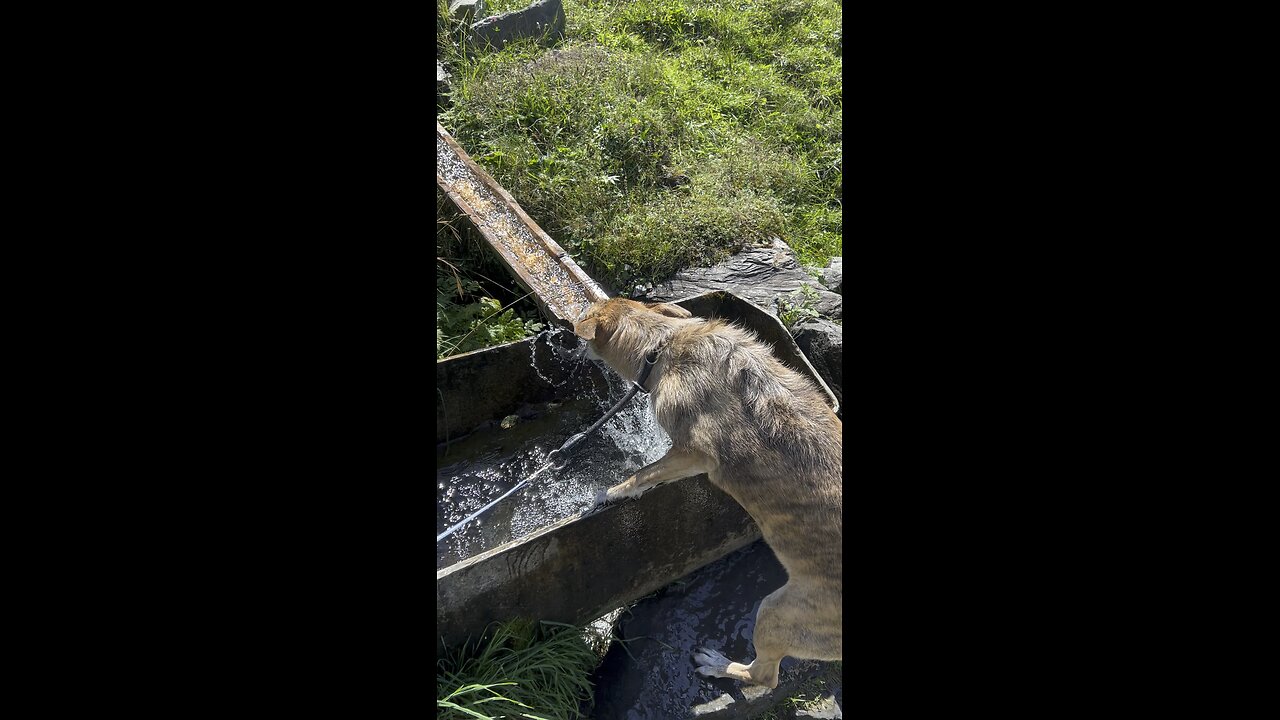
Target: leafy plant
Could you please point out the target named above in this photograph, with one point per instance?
(469, 317)
(474, 325)
(798, 306)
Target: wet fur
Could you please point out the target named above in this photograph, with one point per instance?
(761, 432)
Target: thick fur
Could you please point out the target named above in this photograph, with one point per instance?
(762, 433)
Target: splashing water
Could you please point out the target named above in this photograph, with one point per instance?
(495, 460)
(557, 353)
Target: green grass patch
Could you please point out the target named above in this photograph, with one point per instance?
(666, 133)
(497, 7)
(519, 669)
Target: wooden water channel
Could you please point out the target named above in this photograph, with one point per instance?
(559, 286)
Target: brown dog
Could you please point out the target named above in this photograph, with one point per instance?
(761, 432)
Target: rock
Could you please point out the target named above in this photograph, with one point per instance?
(833, 275)
(653, 678)
(826, 709)
(442, 84)
(542, 19)
(674, 180)
(822, 343)
(466, 10)
(760, 275)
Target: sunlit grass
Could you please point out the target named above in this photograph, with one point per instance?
(664, 133)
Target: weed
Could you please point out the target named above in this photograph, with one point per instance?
(497, 7)
(519, 669)
(449, 33)
(808, 696)
(476, 325)
(798, 306)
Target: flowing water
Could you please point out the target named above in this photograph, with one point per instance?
(473, 471)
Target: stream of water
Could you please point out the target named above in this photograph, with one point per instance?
(473, 471)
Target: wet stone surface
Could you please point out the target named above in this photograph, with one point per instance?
(760, 275)
(654, 678)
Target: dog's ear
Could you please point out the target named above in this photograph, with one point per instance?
(585, 329)
(669, 310)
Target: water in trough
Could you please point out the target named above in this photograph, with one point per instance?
(472, 471)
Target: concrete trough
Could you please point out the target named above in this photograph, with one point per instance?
(577, 568)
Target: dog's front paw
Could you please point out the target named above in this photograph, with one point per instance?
(622, 490)
(711, 663)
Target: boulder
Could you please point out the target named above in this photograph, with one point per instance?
(821, 341)
(466, 10)
(442, 84)
(542, 19)
(761, 275)
(833, 275)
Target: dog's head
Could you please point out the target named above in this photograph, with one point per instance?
(600, 320)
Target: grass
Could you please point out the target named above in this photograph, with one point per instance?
(497, 7)
(520, 669)
(806, 697)
(662, 134)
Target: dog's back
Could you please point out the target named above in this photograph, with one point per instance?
(776, 441)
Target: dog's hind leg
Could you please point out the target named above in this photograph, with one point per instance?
(676, 464)
(769, 650)
(784, 626)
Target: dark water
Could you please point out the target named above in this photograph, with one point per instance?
(714, 607)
